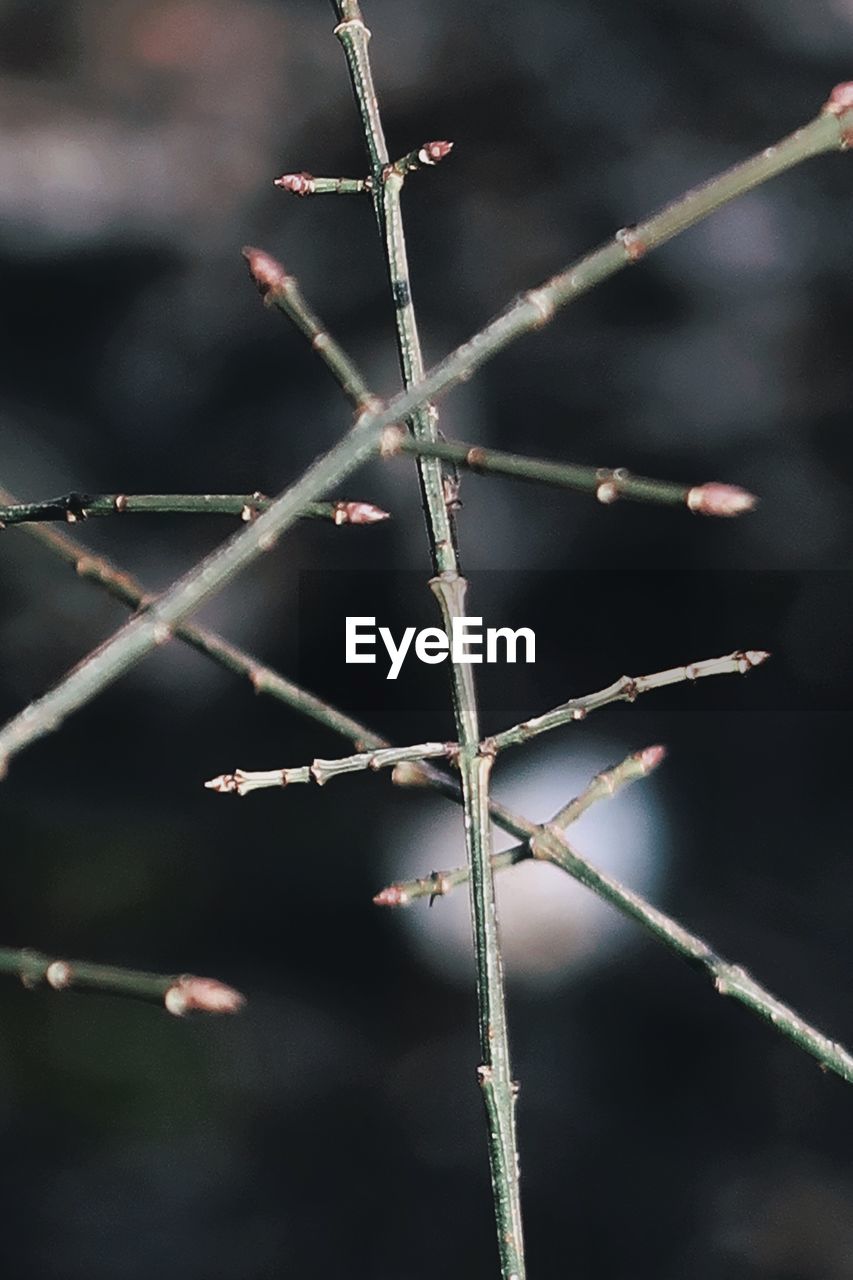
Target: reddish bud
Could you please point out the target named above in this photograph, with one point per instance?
(651, 757)
(841, 99)
(393, 896)
(720, 500)
(751, 658)
(298, 184)
(205, 995)
(433, 152)
(359, 513)
(266, 272)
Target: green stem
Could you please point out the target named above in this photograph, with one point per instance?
(305, 184)
(607, 485)
(450, 588)
(74, 507)
(178, 993)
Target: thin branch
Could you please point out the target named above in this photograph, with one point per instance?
(607, 485)
(832, 130)
(241, 781)
(603, 787)
(625, 689)
(280, 290)
(494, 1073)
(75, 507)
(306, 184)
(179, 994)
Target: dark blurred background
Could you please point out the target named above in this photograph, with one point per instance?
(334, 1129)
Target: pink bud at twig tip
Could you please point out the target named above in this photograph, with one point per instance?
(393, 896)
(264, 270)
(841, 99)
(720, 500)
(204, 995)
(433, 152)
(651, 757)
(298, 184)
(359, 513)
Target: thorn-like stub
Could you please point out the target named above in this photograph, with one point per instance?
(120, 503)
(720, 500)
(434, 152)
(476, 459)
(265, 270)
(751, 658)
(204, 995)
(408, 773)
(392, 896)
(635, 247)
(607, 492)
(392, 438)
(59, 975)
(298, 184)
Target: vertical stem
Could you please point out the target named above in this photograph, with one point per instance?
(450, 588)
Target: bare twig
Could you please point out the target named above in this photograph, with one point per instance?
(241, 782)
(625, 689)
(305, 184)
(607, 485)
(74, 507)
(179, 994)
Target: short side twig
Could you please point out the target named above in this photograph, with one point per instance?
(241, 781)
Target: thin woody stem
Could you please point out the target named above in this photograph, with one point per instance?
(242, 781)
(625, 689)
(282, 291)
(178, 993)
(306, 184)
(607, 485)
(603, 787)
(449, 587)
(74, 507)
(832, 130)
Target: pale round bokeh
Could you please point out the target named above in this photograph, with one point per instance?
(552, 928)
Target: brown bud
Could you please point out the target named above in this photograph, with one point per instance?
(720, 500)
(266, 272)
(359, 513)
(298, 184)
(433, 152)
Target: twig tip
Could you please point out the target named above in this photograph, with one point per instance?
(205, 995)
(720, 500)
(651, 757)
(298, 184)
(264, 269)
(392, 896)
